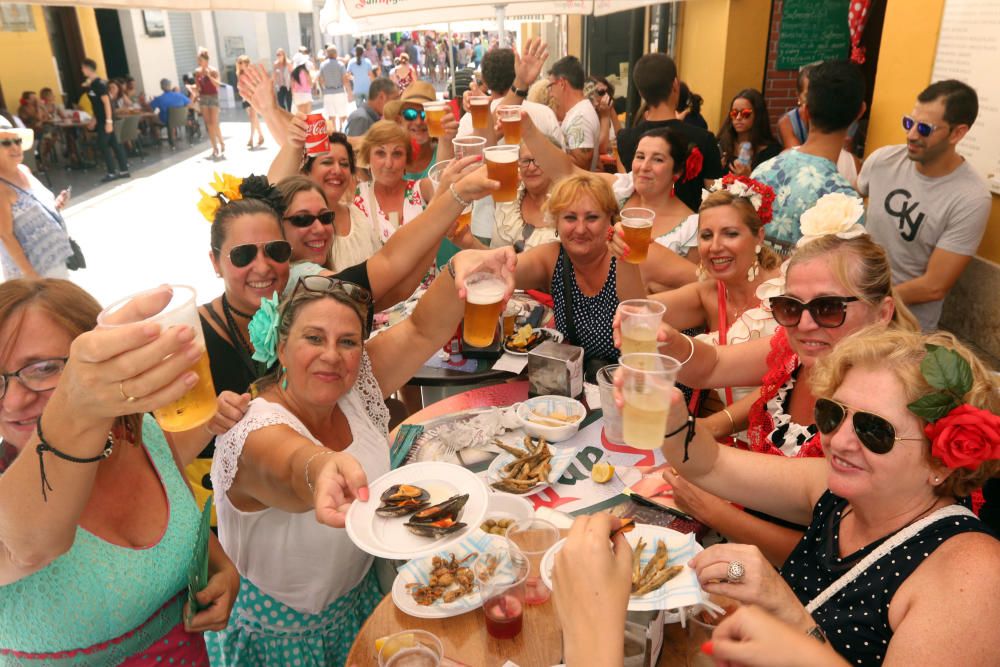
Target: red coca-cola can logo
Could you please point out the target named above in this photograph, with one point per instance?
(317, 140)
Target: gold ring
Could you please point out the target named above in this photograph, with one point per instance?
(125, 397)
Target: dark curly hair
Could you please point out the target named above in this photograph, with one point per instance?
(677, 144)
(259, 196)
(335, 138)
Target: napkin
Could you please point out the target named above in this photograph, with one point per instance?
(511, 363)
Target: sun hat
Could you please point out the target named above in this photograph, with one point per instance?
(418, 92)
(27, 135)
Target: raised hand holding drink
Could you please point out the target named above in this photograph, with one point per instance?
(638, 226)
(479, 105)
(510, 119)
(640, 321)
(435, 114)
(198, 405)
(501, 165)
(648, 380)
(483, 304)
(317, 139)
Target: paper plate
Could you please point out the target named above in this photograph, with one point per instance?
(681, 591)
(561, 458)
(554, 335)
(418, 571)
(389, 537)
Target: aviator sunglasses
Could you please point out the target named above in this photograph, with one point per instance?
(306, 219)
(742, 114)
(828, 312)
(409, 113)
(243, 255)
(876, 433)
(923, 129)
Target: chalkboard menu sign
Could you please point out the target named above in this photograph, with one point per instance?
(813, 30)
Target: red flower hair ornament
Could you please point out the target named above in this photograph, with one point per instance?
(761, 196)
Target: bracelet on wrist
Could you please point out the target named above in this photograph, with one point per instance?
(457, 197)
(309, 462)
(451, 268)
(44, 446)
(732, 422)
(691, 353)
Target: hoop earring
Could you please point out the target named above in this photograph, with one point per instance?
(284, 378)
(700, 273)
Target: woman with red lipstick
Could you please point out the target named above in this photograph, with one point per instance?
(97, 530)
(319, 423)
(833, 287)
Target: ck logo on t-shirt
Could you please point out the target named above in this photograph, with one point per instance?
(898, 205)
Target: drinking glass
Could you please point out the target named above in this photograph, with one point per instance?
(197, 406)
(435, 171)
(411, 648)
(510, 119)
(533, 537)
(648, 380)
(637, 224)
(483, 303)
(611, 414)
(479, 106)
(435, 114)
(640, 321)
(500, 573)
(501, 165)
(466, 146)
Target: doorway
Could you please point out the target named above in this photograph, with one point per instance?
(67, 46)
(113, 46)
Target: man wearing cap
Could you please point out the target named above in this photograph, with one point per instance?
(168, 99)
(332, 76)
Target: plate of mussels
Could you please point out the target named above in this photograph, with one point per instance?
(417, 510)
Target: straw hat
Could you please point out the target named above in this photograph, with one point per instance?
(418, 92)
(27, 135)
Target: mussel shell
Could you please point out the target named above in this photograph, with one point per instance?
(398, 492)
(391, 510)
(448, 508)
(432, 530)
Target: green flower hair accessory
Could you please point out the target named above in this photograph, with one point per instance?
(264, 331)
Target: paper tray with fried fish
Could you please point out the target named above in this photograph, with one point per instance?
(529, 468)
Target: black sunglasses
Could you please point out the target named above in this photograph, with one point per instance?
(409, 113)
(242, 255)
(7, 143)
(306, 219)
(875, 432)
(828, 312)
(923, 129)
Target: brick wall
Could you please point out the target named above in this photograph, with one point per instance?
(779, 86)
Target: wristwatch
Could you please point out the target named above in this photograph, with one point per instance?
(517, 91)
(817, 633)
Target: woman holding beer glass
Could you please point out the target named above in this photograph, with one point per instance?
(306, 447)
(97, 527)
(835, 285)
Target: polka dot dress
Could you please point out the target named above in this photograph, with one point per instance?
(856, 620)
(593, 315)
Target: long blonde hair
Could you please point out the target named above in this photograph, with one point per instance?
(767, 258)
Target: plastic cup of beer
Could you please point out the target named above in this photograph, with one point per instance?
(198, 405)
(483, 304)
(501, 165)
(434, 173)
(640, 321)
(638, 226)
(510, 120)
(479, 105)
(648, 379)
(500, 572)
(411, 648)
(435, 114)
(467, 146)
(533, 537)
(610, 412)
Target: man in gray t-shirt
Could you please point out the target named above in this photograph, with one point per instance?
(927, 206)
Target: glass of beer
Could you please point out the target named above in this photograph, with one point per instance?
(467, 146)
(435, 114)
(483, 304)
(638, 226)
(501, 165)
(510, 119)
(640, 320)
(648, 380)
(479, 105)
(198, 405)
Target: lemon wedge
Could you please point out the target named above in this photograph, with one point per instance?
(399, 642)
(602, 472)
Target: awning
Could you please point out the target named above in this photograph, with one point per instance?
(472, 9)
(305, 6)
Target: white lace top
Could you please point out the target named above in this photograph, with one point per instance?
(290, 556)
(787, 435)
(359, 244)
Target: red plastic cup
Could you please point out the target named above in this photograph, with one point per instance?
(317, 140)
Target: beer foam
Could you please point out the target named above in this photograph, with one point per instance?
(485, 293)
(637, 223)
(502, 156)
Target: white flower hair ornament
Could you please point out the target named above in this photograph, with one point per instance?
(836, 213)
(760, 195)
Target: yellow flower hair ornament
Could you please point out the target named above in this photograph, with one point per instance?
(227, 189)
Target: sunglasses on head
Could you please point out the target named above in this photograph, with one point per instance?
(306, 219)
(243, 255)
(876, 433)
(409, 113)
(828, 312)
(742, 114)
(7, 143)
(353, 291)
(923, 129)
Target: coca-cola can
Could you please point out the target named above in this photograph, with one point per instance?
(317, 140)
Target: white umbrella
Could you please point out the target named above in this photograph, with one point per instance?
(304, 6)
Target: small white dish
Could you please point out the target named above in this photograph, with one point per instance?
(561, 458)
(533, 412)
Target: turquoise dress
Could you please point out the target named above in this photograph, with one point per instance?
(101, 603)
